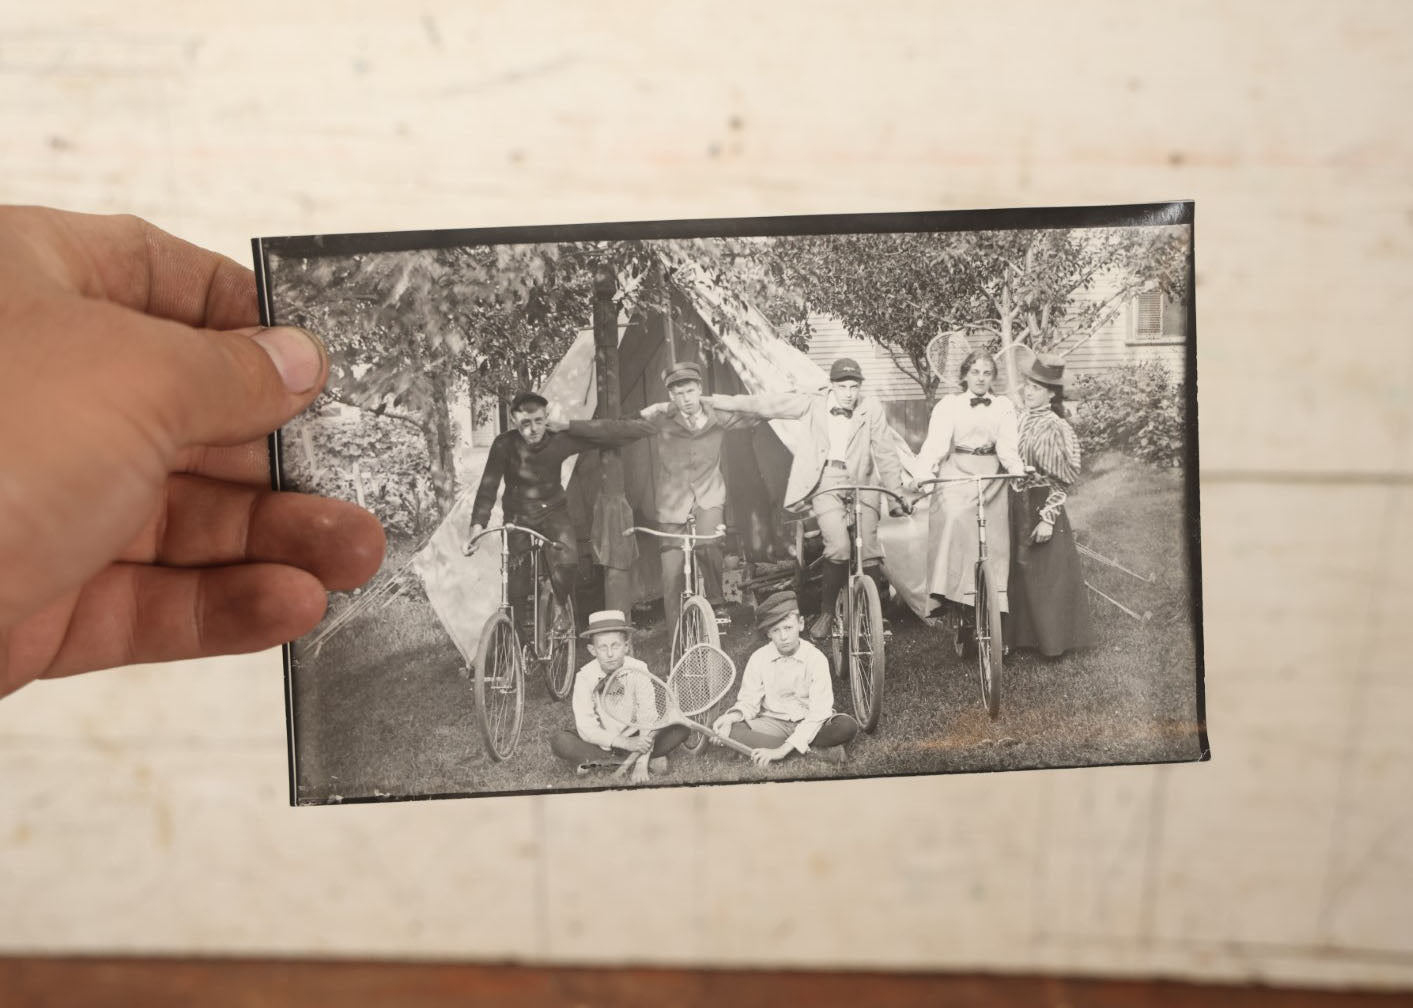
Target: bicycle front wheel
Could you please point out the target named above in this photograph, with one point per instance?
(989, 646)
(866, 657)
(697, 625)
(499, 686)
(839, 635)
(559, 667)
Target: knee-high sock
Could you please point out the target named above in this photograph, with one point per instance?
(834, 577)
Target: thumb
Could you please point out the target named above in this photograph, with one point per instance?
(207, 386)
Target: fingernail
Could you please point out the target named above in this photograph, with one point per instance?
(298, 356)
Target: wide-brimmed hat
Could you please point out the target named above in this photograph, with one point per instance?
(1047, 369)
(682, 371)
(845, 368)
(607, 621)
(775, 608)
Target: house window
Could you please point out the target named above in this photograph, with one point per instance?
(1154, 318)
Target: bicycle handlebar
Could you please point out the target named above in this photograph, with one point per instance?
(720, 531)
(508, 527)
(847, 488)
(970, 479)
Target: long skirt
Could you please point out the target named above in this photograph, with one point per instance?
(1049, 603)
(951, 531)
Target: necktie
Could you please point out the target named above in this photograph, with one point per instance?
(978, 400)
(841, 411)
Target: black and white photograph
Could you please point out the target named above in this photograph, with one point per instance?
(745, 500)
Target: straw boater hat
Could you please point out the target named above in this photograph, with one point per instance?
(607, 621)
(775, 608)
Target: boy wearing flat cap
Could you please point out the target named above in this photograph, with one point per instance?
(687, 476)
(529, 459)
(848, 444)
(786, 701)
(596, 737)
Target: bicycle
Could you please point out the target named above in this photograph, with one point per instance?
(499, 680)
(986, 608)
(857, 636)
(697, 622)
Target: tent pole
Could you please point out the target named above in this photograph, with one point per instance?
(617, 584)
(669, 336)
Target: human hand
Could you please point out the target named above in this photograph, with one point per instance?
(555, 419)
(1043, 531)
(722, 726)
(655, 410)
(136, 519)
(765, 757)
(470, 547)
(632, 743)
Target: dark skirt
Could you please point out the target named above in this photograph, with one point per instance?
(1049, 603)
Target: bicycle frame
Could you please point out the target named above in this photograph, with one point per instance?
(691, 575)
(856, 492)
(505, 604)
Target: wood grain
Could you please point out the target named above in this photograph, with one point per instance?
(142, 808)
(157, 983)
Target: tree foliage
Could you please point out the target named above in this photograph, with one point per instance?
(407, 330)
(1028, 287)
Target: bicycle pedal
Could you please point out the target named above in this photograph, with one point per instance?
(723, 621)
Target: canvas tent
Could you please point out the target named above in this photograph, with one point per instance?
(739, 352)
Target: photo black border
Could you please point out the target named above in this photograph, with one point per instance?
(1177, 212)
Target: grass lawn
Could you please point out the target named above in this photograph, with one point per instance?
(383, 709)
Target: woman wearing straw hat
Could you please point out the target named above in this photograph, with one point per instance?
(970, 433)
(1049, 608)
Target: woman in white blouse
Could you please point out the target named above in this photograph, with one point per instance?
(972, 432)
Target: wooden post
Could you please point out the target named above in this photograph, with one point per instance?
(617, 584)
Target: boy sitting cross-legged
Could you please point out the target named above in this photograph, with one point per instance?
(597, 738)
(786, 700)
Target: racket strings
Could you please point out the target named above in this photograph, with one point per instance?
(701, 677)
(635, 700)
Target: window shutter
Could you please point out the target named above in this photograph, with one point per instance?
(1148, 314)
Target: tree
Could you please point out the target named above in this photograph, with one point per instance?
(407, 329)
(1027, 287)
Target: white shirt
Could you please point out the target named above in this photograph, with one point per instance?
(789, 688)
(956, 422)
(839, 429)
(589, 720)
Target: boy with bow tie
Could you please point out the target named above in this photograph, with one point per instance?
(849, 442)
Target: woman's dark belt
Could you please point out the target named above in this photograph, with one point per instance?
(987, 450)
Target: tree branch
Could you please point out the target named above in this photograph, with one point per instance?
(390, 414)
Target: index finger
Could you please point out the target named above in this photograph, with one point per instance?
(126, 260)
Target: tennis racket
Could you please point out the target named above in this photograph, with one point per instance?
(701, 677)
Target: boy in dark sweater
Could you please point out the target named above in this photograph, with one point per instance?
(528, 459)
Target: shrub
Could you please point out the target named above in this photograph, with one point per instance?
(392, 462)
(1136, 409)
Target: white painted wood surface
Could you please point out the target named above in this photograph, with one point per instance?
(144, 809)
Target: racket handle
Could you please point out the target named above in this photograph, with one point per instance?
(725, 740)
